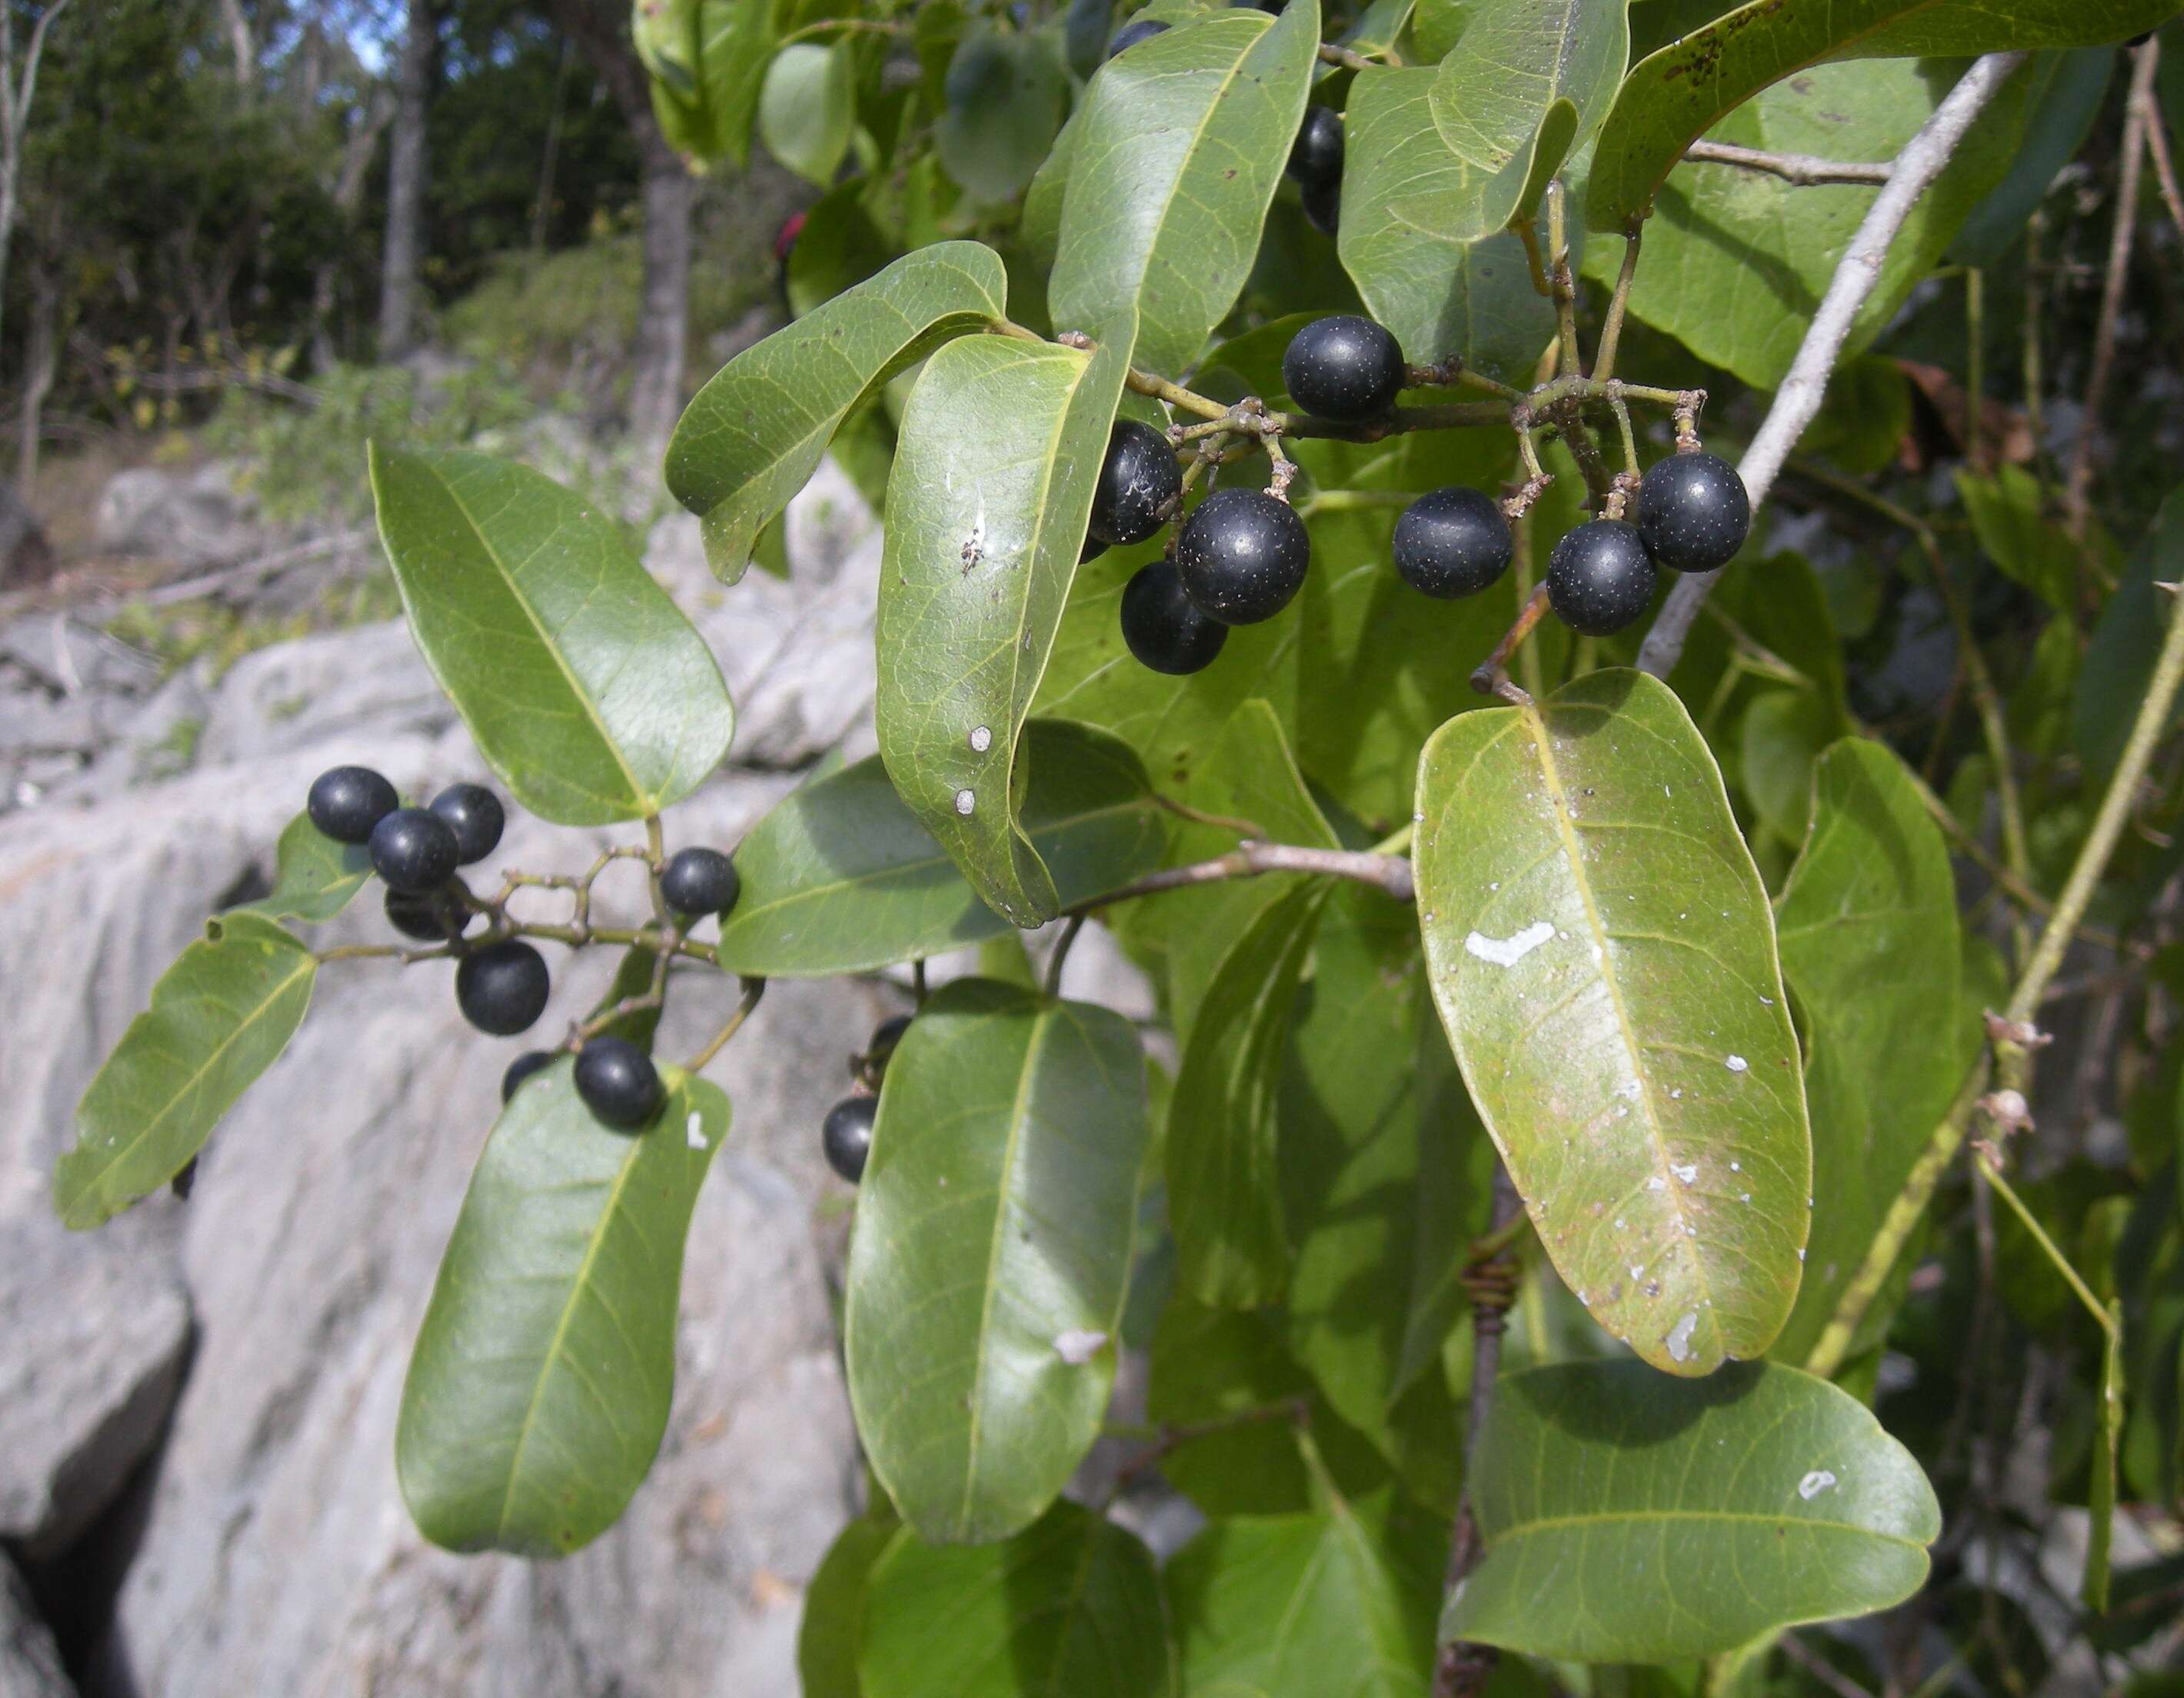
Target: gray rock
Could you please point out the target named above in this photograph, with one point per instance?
(192, 518)
(97, 1332)
(358, 685)
(29, 1666)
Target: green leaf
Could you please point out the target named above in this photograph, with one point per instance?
(585, 689)
(1007, 95)
(632, 979)
(2066, 91)
(541, 1381)
(827, 1640)
(807, 109)
(994, 1230)
(841, 878)
(1304, 1606)
(707, 60)
(2014, 531)
(1001, 443)
(1863, 417)
(1070, 1605)
(1403, 192)
(2120, 661)
(1176, 158)
(1385, 1172)
(1524, 79)
(1224, 1180)
(1630, 1516)
(218, 1017)
(1785, 730)
(2101, 1499)
(1869, 944)
(1736, 262)
(757, 432)
(314, 878)
(1604, 956)
(1677, 95)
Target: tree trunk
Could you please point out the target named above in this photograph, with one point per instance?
(663, 323)
(37, 376)
(399, 284)
(239, 42)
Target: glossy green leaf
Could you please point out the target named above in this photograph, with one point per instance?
(1176, 158)
(1337, 1601)
(2007, 511)
(808, 107)
(2066, 91)
(633, 980)
(757, 432)
(1525, 79)
(995, 1225)
(1001, 445)
(314, 876)
(1675, 95)
(840, 877)
(1735, 262)
(220, 1015)
(1070, 1605)
(1007, 95)
(829, 1637)
(1403, 193)
(1784, 731)
(1603, 957)
(1223, 1178)
(1631, 1516)
(707, 60)
(585, 689)
(540, 1384)
(1869, 945)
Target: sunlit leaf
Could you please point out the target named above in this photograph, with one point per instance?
(314, 876)
(807, 109)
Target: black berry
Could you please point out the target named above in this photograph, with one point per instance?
(1323, 206)
(1131, 34)
(1137, 481)
(1162, 627)
(1343, 367)
(1242, 555)
(347, 802)
(846, 1136)
(478, 817)
(698, 882)
(521, 1068)
(1093, 548)
(432, 918)
(502, 988)
(886, 1035)
(415, 850)
(1315, 155)
(619, 1083)
(1453, 543)
(1600, 577)
(1693, 513)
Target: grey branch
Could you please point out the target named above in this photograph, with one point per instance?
(1805, 171)
(1856, 274)
(1388, 872)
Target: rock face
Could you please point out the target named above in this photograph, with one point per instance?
(192, 518)
(30, 1665)
(243, 1354)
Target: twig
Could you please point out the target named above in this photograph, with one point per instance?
(1059, 957)
(752, 990)
(1173, 1436)
(2077, 483)
(1610, 330)
(1804, 169)
(1856, 274)
(1388, 872)
(2165, 167)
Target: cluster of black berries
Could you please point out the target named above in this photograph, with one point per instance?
(1692, 515)
(846, 1135)
(501, 986)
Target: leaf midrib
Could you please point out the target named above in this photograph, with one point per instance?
(1560, 1523)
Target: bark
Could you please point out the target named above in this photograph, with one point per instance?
(601, 30)
(37, 376)
(240, 41)
(398, 285)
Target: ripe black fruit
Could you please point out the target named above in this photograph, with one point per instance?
(1131, 34)
(700, 881)
(433, 917)
(1343, 367)
(1453, 543)
(886, 1035)
(1315, 155)
(415, 850)
(1323, 206)
(847, 1135)
(619, 1083)
(1242, 555)
(1693, 512)
(478, 817)
(1137, 480)
(348, 802)
(1600, 577)
(1162, 627)
(521, 1068)
(502, 988)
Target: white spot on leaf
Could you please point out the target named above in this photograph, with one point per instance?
(1737, 1064)
(694, 1133)
(1679, 1340)
(1507, 952)
(981, 739)
(965, 801)
(1077, 1348)
(1819, 1480)
(1688, 1173)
